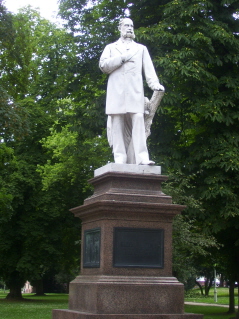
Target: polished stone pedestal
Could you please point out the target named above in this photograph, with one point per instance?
(126, 261)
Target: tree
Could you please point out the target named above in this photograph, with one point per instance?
(36, 229)
(191, 246)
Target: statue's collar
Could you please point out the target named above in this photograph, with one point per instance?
(121, 46)
(129, 42)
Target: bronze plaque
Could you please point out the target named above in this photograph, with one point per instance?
(138, 247)
(91, 252)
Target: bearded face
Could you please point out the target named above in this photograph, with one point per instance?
(128, 34)
(127, 29)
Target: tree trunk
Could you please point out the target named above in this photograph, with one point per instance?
(221, 281)
(231, 297)
(68, 287)
(15, 282)
(237, 314)
(208, 285)
(200, 286)
(38, 285)
(15, 293)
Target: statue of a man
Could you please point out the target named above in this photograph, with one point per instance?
(126, 61)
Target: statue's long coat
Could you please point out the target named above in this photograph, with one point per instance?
(125, 91)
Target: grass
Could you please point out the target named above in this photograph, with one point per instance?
(32, 307)
(222, 296)
(209, 312)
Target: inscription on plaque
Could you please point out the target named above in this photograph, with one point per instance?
(91, 252)
(138, 247)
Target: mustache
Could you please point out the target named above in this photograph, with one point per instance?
(127, 33)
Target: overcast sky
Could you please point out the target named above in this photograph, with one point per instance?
(48, 8)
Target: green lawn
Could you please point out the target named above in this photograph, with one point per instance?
(222, 296)
(209, 312)
(32, 307)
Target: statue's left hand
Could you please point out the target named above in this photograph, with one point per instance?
(159, 87)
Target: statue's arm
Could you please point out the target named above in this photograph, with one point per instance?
(149, 72)
(109, 63)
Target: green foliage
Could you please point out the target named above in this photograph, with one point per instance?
(190, 242)
(6, 28)
(13, 118)
(74, 155)
(36, 229)
(197, 57)
(6, 159)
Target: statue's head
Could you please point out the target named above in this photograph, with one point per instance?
(126, 28)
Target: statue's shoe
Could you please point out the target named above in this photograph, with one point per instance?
(147, 163)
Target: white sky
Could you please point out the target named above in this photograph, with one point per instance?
(48, 8)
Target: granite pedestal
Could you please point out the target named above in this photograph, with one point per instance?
(126, 261)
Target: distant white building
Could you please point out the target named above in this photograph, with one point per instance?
(27, 289)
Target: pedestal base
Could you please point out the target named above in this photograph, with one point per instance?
(70, 314)
(126, 295)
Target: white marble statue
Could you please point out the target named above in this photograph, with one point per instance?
(126, 62)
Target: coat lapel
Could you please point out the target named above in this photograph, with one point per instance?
(119, 46)
(134, 48)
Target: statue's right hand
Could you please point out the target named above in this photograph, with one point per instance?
(125, 57)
